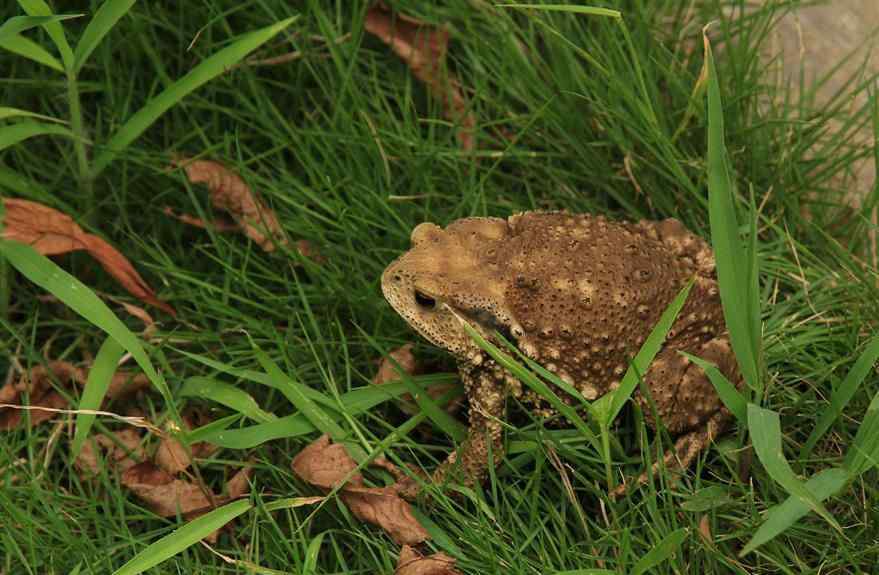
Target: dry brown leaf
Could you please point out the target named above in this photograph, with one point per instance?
(423, 49)
(164, 494)
(326, 465)
(172, 455)
(52, 233)
(37, 383)
(413, 563)
(230, 193)
(387, 373)
(705, 529)
(122, 451)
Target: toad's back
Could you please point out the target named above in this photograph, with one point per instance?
(585, 292)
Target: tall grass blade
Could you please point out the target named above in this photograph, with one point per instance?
(18, 24)
(732, 265)
(201, 74)
(20, 131)
(729, 395)
(78, 297)
(864, 451)
(645, 355)
(182, 538)
(570, 8)
(765, 430)
(27, 48)
(101, 23)
(843, 394)
(293, 391)
(7, 112)
(823, 484)
(225, 394)
(96, 386)
(53, 28)
(663, 550)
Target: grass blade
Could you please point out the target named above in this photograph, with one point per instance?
(729, 395)
(225, 394)
(843, 394)
(29, 49)
(96, 386)
(20, 131)
(18, 24)
(201, 74)
(292, 390)
(765, 429)
(532, 382)
(6, 112)
(779, 518)
(77, 296)
(588, 10)
(864, 451)
(53, 27)
(180, 539)
(645, 355)
(663, 550)
(732, 267)
(102, 22)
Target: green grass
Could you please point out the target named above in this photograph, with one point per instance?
(351, 152)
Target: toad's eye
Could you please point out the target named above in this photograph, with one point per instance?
(424, 301)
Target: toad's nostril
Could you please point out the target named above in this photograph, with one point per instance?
(424, 301)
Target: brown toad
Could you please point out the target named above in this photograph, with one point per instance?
(578, 294)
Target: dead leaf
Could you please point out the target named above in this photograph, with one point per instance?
(122, 451)
(423, 49)
(413, 563)
(230, 193)
(37, 383)
(167, 495)
(164, 494)
(705, 529)
(51, 232)
(326, 465)
(387, 373)
(173, 457)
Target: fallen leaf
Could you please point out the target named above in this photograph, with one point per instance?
(167, 495)
(413, 563)
(387, 373)
(163, 493)
(51, 232)
(37, 383)
(705, 529)
(172, 455)
(326, 465)
(230, 193)
(423, 49)
(121, 452)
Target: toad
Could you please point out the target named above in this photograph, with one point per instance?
(578, 294)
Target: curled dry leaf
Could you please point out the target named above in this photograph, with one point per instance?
(423, 49)
(230, 193)
(387, 373)
(37, 383)
(52, 233)
(326, 465)
(413, 563)
(122, 450)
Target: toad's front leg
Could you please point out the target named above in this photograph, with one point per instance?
(469, 464)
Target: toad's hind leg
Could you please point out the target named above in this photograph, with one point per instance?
(469, 464)
(687, 403)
